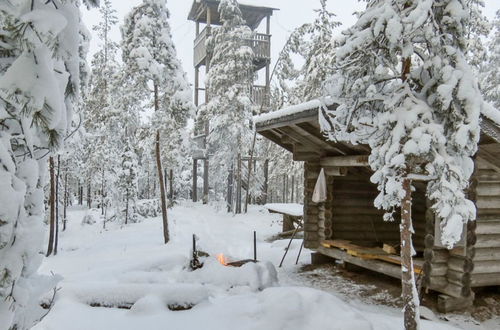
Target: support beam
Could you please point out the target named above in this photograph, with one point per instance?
(347, 161)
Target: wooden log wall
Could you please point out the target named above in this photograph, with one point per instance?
(354, 217)
(484, 243)
(311, 210)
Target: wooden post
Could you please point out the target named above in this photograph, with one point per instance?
(409, 288)
(268, 64)
(196, 87)
(195, 180)
(238, 186)
(292, 199)
(284, 188)
(205, 180)
(52, 198)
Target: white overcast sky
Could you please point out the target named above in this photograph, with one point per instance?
(292, 14)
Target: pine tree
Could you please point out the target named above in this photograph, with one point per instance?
(490, 81)
(229, 81)
(405, 88)
(151, 60)
(100, 113)
(39, 87)
(314, 43)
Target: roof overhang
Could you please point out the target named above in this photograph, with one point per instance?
(253, 15)
(297, 129)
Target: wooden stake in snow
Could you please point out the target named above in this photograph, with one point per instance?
(409, 288)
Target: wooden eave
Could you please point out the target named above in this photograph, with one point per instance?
(300, 133)
(253, 15)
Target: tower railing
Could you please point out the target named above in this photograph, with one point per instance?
(260, 44)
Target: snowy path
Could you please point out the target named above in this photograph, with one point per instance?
(130, 267)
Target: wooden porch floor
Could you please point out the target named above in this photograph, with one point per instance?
(375, 259)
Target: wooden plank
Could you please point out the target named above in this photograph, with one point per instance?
(368, 253)
(486, 267)
(374, 265)
(486, 254)
(487, 241)
(478, 280)
(487, 227)
(358, 160)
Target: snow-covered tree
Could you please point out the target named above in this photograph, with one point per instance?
(151, 61)
(39, 86)
(101, 127)
(127, 181)
(404, 87)
(229, 81)
(490, 81)
(315, 45)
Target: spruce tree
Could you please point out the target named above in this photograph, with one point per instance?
(151, 61)
(490, 82)
(229, 81)
(39, 89)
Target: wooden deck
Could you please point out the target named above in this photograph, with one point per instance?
(375, 259)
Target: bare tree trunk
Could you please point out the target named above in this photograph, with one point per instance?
(102, 191)
(56, 240)
(171, 184)
(163, 197)
(230, 179)
(89, 195)
(409, 288)
(238, 186)
(52, 214)
(249, 174)
(65, 205)
(126, 207)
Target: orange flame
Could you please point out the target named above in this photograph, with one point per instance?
(222, 259)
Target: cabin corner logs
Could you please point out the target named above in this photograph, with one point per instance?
(349, 214)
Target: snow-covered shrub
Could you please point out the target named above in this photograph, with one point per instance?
(88, 219)
(148, 208)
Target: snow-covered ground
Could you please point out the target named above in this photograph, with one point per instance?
(135, 282)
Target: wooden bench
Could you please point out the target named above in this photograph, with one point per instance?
(292, 214)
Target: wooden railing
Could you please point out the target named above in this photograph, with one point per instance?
(260, 96)
(200, 47)
(260, 44)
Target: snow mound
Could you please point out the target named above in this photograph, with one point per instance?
(254, 276)
(128, 294)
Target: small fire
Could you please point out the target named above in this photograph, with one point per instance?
(222, 259)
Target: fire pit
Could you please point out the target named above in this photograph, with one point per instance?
(223, 260)
(195, 262)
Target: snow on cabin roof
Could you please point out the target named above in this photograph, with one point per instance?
(313, 104)
(490, 112)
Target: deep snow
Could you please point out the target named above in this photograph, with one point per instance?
(128, 266)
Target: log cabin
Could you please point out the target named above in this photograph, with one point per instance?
(348, 227)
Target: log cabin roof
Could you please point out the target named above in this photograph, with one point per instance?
(297, 129)
(253, 15)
